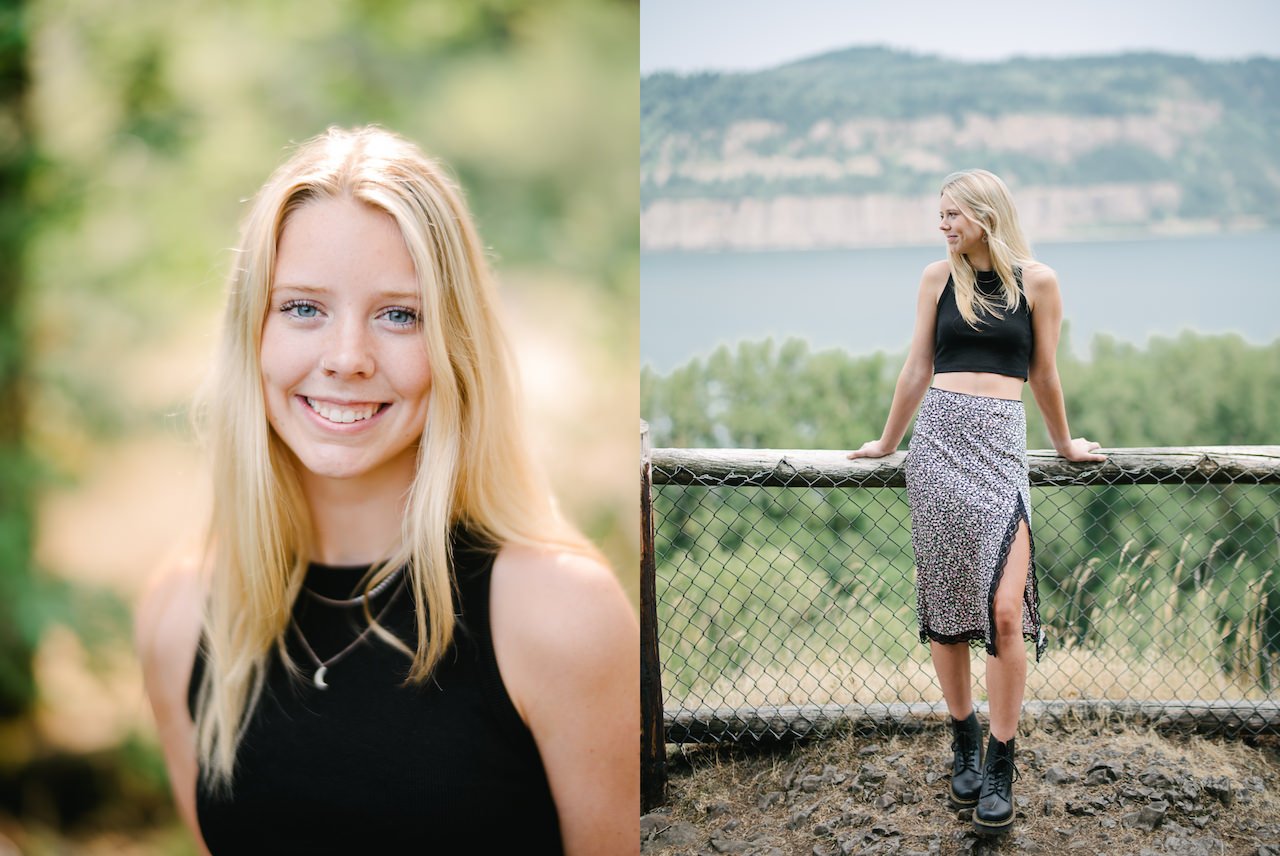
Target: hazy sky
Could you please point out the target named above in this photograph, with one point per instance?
(691, 35)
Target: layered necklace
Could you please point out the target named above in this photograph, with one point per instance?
(322, 666)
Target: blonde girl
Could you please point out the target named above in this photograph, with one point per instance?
(988, 318)
(392, 638)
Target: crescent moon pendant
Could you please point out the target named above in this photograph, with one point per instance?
(319, 678)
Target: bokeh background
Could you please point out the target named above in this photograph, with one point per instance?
(131, 134)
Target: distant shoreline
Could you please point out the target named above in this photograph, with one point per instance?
(1108, 238)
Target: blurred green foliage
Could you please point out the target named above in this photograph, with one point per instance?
(17, 471)
(1190, 390)
(131, 135)
(155, 122)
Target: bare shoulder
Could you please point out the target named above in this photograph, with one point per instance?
(166, 627)
(551, 594)
(1039, 280)
(936, 272)
(567, 644)
(167, 623)
(934, 279)
(559, 620)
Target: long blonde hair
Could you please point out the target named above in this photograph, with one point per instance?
(985, 199)
(473, 465)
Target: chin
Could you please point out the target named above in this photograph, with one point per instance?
(338, 470)
(345, 464)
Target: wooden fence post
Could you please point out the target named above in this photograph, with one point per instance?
(653, 742)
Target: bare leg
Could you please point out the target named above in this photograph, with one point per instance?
(951, 662)
(1007, 672)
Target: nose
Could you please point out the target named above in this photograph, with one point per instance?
(349, 350)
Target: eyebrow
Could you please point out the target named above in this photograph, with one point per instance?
(317, 289)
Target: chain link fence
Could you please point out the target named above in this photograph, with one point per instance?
(785, 600)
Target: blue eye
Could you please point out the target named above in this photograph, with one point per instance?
(300, 309)
(401, 316)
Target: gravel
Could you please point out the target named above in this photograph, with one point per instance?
(1090, 789)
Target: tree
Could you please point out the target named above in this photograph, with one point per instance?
(17, 687)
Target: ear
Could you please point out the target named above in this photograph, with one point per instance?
(989, 223)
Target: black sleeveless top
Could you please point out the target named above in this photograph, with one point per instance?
(371, 766)
(1001, 344)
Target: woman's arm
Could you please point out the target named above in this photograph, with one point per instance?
(1045, 302)
(916, 373)
(566, 641)
(166, 631)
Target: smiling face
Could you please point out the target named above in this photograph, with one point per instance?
(963, 233)
(345, 374)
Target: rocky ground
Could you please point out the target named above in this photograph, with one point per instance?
(1084, 788)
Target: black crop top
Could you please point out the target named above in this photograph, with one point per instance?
(370, 765)
(1001, 344)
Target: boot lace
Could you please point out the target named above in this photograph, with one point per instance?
(962, 746)
(995, 783)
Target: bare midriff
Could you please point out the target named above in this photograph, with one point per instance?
(980, 383)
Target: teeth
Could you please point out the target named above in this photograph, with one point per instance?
(342, 414)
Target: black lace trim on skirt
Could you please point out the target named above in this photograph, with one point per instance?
(976, 638)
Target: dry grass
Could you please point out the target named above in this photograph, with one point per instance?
(1064, 673)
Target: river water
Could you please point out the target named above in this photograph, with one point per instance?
(863, 300)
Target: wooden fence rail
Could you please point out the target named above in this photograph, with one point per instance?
(810, 468)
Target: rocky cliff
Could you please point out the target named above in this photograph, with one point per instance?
(848, 149)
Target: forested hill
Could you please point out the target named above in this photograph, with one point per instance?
(848, 148)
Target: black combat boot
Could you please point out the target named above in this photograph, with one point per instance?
(994, 814)
(966, 769)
